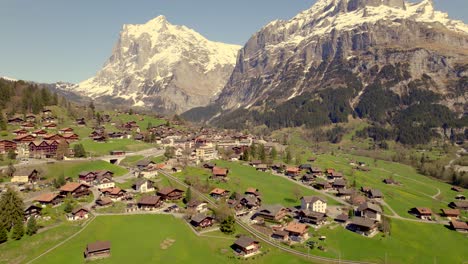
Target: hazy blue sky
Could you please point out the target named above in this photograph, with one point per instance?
(65, 40)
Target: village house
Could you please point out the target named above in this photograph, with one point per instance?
(205, 153)
(272, 212)
(15, 120)
(24, 139)
(170, 194)
(220, 173)
(20, 132)
(149, 203)
(197, 206)
(322, 185)
(262, 167)
(66, 130)
(280, 235)
(45, 148)
(423, 213)
(104, 180)
(7, 146)
(342, 218)
(147, 169)
(345, 193)
(218, 193)
(104, 201)
(27, 126)
(457, 188)
(250, 202)
(363, 226)
(40, 133)
(32, 211)
(49, 125)
(459, 226)
(375, 194)
(252, 191)
(308, 179)
(99, 249)
(297, 232)
(390, 182)
(292, 172)
(461, 204)
(451, 213)
(143, 186)
(80, 122)
(78, 214)
(370, 211)
(305, 167)
(201, 220)
(311, 217)
(246, 246)
(51, 199)
(74, 189)
(114, 193)
(25, 176)
(313, 203)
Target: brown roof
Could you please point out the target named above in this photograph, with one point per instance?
(71, 186)
(168, 190)
(296, 227)
(76, 210)
(112, 191)
(98, 246)
(245, 241)
(46, 197)
(423, 211)
(149, 200)
(251, 190)
(312, 199)
(218, 191)
(459, 225)
(220, 171)
(104, 201)
(364, 222)
(451, 212)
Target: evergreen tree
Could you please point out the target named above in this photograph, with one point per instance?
(3, 234)
(31, 227)
(11, 209)
(246, 155)
(261, 153)
(59, 181)
(188, 195)
(18, 230)
(228, 226)
(288, 157)
(3, 124)
(79, 150)
(62, 149)
(273, 153)
(253, 151)
(68, 208)
(11, 155)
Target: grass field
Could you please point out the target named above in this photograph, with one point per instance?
(409, 243)
(131, 160)
(27, 248)
(72, 169)
(153, 239)
(274, 189)
(100, 149)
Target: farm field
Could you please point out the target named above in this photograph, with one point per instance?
(154, 239)
(274, 189)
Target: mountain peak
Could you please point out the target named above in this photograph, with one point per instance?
(159, 20)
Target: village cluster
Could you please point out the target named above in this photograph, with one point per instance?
(360, 211)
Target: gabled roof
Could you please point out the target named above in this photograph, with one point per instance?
(98, 246)
(271, 209)
(199, 218)
(72, 186)
(245, 241)
(312, 199)
(149, 200)
(220, 171)
(369, 206)
(168, 190)
(296, 227)
(218, 191)
(459, 225)
(76, 210)
(46, 197)
(364, 222)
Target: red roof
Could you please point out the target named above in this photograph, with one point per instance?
(220, 171)
(71, 186)
(46, 197)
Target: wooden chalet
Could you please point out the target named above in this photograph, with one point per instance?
(423, 213)
(459, 226)
(272, 212)
(27, 126)
(32, 211)
(218, 193)
(220, 173)
(170, 194)
(99, 249)
(451, 213)
(460, 204)
(280, 235)
(375, 194)
(75, 189)
(24, 138)
(246, 246)
(7, 146)
(150, 202)
(78, 214)
(363, 226)
(342, 218)
(15, 120)
(40, 133)
(297, 231)
(114, 193)
(104, 201)
(29, 175)
(201, 220)
(370, 211)
(71, 137)
(311, 217)
(51, 199)
(339, 184)
(292, 171)
(143, 186)
(66, 130)
(457, 188)
(50, 125)
(53, 137)
(44, 148)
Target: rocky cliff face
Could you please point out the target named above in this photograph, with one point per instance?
(163, 67)
(352, 44)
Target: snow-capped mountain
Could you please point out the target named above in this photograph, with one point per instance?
(164, 67)
(287, 58)
(8, 78)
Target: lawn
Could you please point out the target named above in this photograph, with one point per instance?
(72, 169)
(101, 149)
(28, 247)
(274, 189)
(153, 239)
(131, 160)
(409, 243)
(142, 120)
